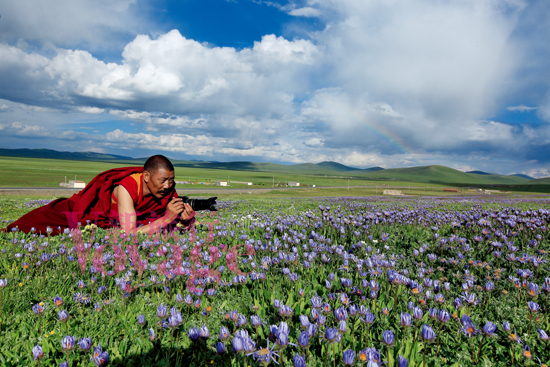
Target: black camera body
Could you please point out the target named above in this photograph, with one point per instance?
(201, 204)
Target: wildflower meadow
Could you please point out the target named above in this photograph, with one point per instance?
(414, 281)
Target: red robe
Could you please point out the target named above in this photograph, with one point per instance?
(96, 204)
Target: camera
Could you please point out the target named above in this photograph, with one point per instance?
(201, 204)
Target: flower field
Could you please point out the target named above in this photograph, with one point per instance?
(297, 282)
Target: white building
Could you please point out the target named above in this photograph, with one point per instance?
(73, 184)
(293, 183)
(222, 183)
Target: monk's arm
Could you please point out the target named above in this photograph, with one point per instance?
(127, 213)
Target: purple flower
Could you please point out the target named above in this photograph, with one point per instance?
(489, 328)
(37, 352)
(533, 306)
(161, 311)
(299, 361)
(388, 337)
(85, 344)
(265, 355)
(141, 319)
(238, 344)
(417, 313)
(342, 327)
(527, 352)
(224, 333)
(444, 316)
(193, 334)
(402, 362)
(341, 314)
(406, 319)
(543, 335)
(349, 356)
(204, 332)
(57, 301)
(469, 328)
(427, 333)
(369, 318)
(303, 339)
(63, 316)
(99, 357)
(331, 334)
(220, 348)
(304, 320)
(68, 343)
(39, 308)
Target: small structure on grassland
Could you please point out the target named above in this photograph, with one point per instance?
(450, 190)
(393, 192)
(293, 184)
(74, 184)
(222, 183)
(248, 183)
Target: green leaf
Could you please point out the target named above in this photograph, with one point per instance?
(290, 300)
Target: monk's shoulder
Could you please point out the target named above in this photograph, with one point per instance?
(132, 184)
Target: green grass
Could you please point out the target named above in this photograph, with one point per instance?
(114, 324)
(41, 172)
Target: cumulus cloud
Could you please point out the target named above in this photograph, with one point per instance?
(18, 129)
(70, 23)
(91, 110)
(385, 83)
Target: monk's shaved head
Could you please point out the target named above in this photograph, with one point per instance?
(156, 162)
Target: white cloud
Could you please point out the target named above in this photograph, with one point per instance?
(68, 23)
(91, 110)
(18, 129)
(521, 108)
(314, 142)
(305, 12)
(489, 131)
(538, 172)
(382, 80)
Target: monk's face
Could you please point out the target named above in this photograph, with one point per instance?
(160, 183)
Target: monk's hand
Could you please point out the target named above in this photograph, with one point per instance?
(187, 212)
(175, 207)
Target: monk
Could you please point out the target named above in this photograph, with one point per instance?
(134, 198)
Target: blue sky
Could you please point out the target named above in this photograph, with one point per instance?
(365, 83)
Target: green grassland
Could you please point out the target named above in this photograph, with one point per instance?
(45, 172)
(40, 172)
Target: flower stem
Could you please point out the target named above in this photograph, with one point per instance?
(479, 351)
(424, 359)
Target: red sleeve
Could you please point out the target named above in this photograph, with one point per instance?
(132, 184)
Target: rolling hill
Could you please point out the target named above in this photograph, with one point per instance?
(434, 174)
(441, 174)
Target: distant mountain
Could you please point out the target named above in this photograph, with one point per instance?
(514, 175)
(425, 174)
(523, 176)
(54, 154)
(336, 166)
(442, 175)
(373, 169)
(479, 173)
